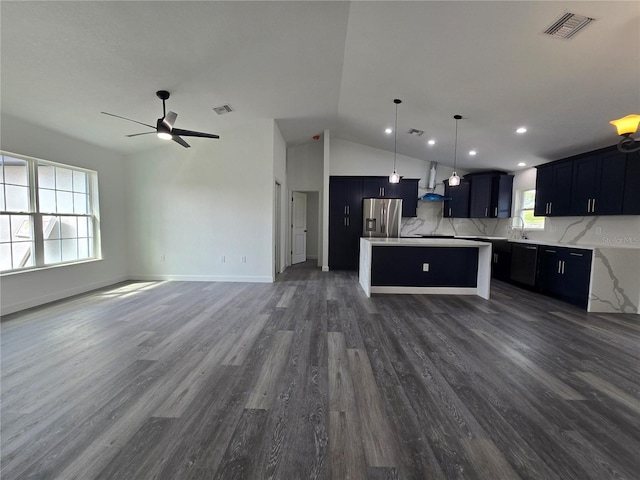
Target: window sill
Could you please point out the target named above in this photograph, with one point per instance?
(48, 267)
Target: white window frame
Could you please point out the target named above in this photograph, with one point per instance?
(518, 221)
(36, 215)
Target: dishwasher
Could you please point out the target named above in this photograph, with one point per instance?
(524, 263)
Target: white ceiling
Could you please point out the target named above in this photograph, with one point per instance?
(329, 65)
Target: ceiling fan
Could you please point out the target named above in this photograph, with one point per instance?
(164, 126)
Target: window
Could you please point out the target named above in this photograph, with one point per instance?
(48, 213)
(525, 203)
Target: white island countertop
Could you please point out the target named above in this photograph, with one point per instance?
(420, 241)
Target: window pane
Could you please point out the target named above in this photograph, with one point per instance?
(2, 206)
(528, 199)
(46, 176)
(68, 227)
(5, 229)
(50, 227)
(83, 230)
(51, 251)
(69, 250)
(47, 201)
(17, 198)
(83, 248)
(79, 182)
(64, 179)
(80, 201)
(23, 254)
(16, 171)
(5, 256)
(531, 221)
(64, 202)
(21, 228)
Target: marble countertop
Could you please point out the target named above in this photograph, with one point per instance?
(586, 246)
(427, 242)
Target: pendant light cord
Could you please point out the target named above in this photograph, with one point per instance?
(395, 140)
(455, 148)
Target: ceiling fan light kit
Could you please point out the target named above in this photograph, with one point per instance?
(164, 126)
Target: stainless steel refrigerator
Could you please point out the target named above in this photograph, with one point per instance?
(381, 217)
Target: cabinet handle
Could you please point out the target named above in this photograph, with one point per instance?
(348, 209)
(344, 221)
(449, 211)
(348, 222)
(576, 254)
(559, 266)
(496, 214)
(486, 211)
(593, 206)
(550, 207)
(550, 251)
(589, 206)
(345, 210)
(384, 191)
(563, 267)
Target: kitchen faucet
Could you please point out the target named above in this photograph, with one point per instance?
(512, 228)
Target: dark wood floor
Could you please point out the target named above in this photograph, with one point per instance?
(307, 378)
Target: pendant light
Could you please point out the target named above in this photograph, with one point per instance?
(394, 177)
(454, 179)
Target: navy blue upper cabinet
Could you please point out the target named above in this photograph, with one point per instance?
(631, 200)
(553, 189)
(598, 183)
(480, 203)
(490, 195)
(458, 206)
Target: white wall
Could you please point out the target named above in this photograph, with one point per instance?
(190, 207)
(350, 158)
(280, 176)
(28, 289)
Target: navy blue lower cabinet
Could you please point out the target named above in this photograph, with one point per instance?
(408, 266)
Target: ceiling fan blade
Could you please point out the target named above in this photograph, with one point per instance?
(125, 118)
(191, 133)
(169, 119)
(177, 139)
(137, 134)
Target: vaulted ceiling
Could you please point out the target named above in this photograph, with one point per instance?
(322, 65)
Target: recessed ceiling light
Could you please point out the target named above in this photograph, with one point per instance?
(522, 164)
(521, 130)
(388, 130)
(472, 152)
(431, 142)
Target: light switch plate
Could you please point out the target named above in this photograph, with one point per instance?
(425, 267)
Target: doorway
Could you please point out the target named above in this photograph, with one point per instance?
(298, 227)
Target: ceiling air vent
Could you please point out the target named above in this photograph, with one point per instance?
(416, 132)
(568, 25)
(222, 109)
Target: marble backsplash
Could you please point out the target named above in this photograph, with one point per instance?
(429, 221)
(607, 231)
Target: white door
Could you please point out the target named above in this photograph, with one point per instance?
(299, 228)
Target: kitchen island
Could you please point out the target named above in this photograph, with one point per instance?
(425, 266)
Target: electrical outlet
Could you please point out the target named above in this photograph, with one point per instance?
(222, 259)
(243, 259)
(598, 230)
(425, 267)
